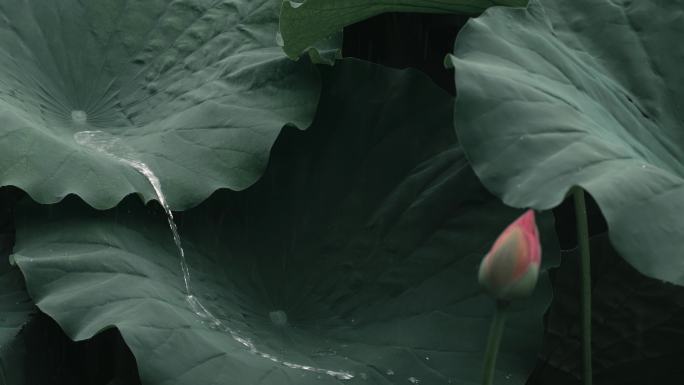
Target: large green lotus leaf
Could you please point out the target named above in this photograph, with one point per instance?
(585, 93)
(196, 89)
(356, 253)
(305, 23)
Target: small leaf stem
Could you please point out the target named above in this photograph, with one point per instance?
(494, 341)
(585, 266)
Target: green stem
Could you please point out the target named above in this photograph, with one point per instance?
(495, 334)
(585, 266)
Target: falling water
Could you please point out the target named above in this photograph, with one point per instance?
(112, 146)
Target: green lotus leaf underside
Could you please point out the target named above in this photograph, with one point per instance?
(582, 93)
(305, 23)
(353, 260)
(197, 90)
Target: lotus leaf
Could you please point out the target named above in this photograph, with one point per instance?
(198, 90)
(353, 260)
(303, 24)
(582, 93)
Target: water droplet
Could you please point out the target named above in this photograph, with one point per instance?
(278, 317)
(79, 116)
(413, 380)
(427, 358)
(279, 39)
(389, 372)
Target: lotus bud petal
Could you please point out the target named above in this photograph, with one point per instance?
(510, 269)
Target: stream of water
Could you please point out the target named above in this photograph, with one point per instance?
(112, 146)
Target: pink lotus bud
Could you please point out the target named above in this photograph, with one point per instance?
(511, 267)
